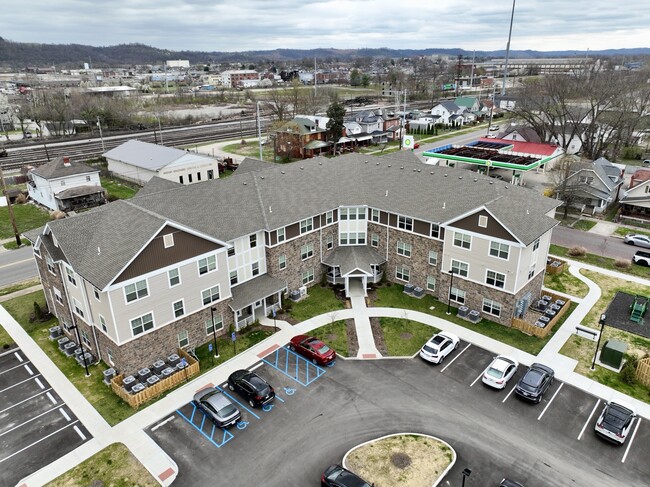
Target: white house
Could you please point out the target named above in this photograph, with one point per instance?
(140, 161)
(448, 112)
(65, 185)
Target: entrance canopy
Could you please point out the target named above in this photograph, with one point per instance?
(255, 290)
(355, 260)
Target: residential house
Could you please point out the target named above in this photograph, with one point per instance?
(471, 103)
(521, 134)
(450, 114)
(301, 138)
(595, 185)
(140, 161)
(636, 200)
(65, 185)
(172, 267)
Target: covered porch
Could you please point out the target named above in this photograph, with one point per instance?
(80, 197)
(256, 298)
(349, 263)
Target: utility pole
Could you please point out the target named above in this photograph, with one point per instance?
(505, 68)
(314, 76)
(101, 135)
(401, 138)
(471, 76)
(259, 131)
(9, 207)
(459, 72)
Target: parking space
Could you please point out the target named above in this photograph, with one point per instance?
(36, 427)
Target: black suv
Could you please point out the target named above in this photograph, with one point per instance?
(252, 387)
(535, 382)
(337, 476)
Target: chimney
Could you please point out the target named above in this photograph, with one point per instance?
(66, 161)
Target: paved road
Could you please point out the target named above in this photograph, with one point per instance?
(17, 265)
(457, 139)
(595, 244)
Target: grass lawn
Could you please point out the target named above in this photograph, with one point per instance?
(600, 261)
(121, 191)
(113, 466)
(246, 338)
(567, 283)
(623, 231)
(404, 338)
(251, 149)
(394, 297)
(18, 287)
(335, 335)
(5, 339)
(27, 216)
(584, 225)
(12, 245)
(320, 300)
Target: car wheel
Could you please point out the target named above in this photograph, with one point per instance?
(442, 359)
(230, 386)
(630, 243)
(252, 404)
(457, 345)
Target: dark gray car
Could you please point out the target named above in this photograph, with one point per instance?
(217, 407)
(535, 382)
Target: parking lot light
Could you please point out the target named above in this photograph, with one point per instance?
(214, 332)
(602, 319)
(451, 284)
(466, 473)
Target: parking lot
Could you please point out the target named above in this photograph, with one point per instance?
(36, 427)
(314, 422)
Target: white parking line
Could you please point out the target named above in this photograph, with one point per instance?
(162, 423)
(22, 382)
(37, 442)
(480, 375)
(549, 403)
(12, 368)
(24, 400)
(20, 359)
(65, 415)
(40, 384)
(588, 419)
(511, 391)
(81, 435)
(28, 421)
(638, 422)
(29, 371)
(49, 396)
(458, 355)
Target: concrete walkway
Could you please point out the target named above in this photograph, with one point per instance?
(132, 430)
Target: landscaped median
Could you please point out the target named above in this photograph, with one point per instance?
(402, 460)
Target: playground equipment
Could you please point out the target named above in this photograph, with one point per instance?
(638, 307)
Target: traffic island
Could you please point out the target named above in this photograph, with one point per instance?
(402, 460)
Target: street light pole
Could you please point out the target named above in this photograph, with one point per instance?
(214, 333)
(101, 135)
(603, 317)
(451, 284)
(466, 473)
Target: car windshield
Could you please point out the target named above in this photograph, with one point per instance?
(492, 372)
(429, 349)
(227, 410)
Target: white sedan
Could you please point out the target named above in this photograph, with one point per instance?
(500, 371)
(438, 347)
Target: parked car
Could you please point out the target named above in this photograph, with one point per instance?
(510, 483)
(646, 162)
(500, 371)
(494, 128)
(313, 349)
(4, 153)
(641, 258)
(491, 136)
(416, 145)
(615, 422)
(27, 134)
(337, 476)
(216, 406)
(252, 387)
(438, 347)
(638, 240)
(535, 382)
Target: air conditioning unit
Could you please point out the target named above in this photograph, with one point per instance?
(550, 313)
(55, 332)
(62, 341)
(294, 295)
(560, 302)
(159, 366)
(173, 360)
(408, 288)
(69, 348)
(129, 382)
(418, 292)
(462, 312)
(152, 380)
(144, 374)
(87, 356)
(303, 291)
(137, 388)
(108, 375)
(542, 305)
(474, 316)
(167, 372)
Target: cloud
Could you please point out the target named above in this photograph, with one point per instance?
(227, 25)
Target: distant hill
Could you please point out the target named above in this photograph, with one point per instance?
(18, 55)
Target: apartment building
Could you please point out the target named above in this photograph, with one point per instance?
(233, 79)
(176, 264)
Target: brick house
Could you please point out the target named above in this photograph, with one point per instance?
(301, 138)
(171, 267)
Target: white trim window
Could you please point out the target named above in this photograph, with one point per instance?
(402, 273)
(183, 339)
(531, 271)
(491, 307)
(306, 225)
(174, 276)
(37, 252)
(207, 264)
(102, 324)
(255, 268)
(404, 249)
(58, 296)
(329, 217)
(460, 268)
(462, 240)
(329, 242)
(179, 308)
(431, 283)
(308, 276)
(78, 310)
(233, 277)
(50, 265)
(252, 241)
(210, 295)
(405, 223)
(96, 294)
(141, 324)
(536, 244)
(110, 357)
(482, 221)
(354, 213)
(435, 230)
(307, 251)
(282, 261)
(433, 257)
(216, 325)
(71, 276)
(500, 250)
(496, 279)
(374, 240)
(231, 251)
(85, 338)
(457, 296)
(136, 290)
(374, 215)
(281, 234)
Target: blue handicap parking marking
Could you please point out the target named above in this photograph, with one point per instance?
(198, 420)
(241, 425)
(267, 407)
(235, 400)
(294, 366)
(331, 364)
(290, 391)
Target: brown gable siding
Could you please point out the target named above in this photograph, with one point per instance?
(383, 218)
(155, 256)
(292, 231)
(269, 238)
(423, 228)
(392, 220)
(493, 229)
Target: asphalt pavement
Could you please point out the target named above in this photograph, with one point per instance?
(16, 265)
(612, 247)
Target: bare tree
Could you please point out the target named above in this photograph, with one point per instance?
(566, 189)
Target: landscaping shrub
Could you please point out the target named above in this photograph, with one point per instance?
(57, 215)
(622, 263)
(628, 372)
(21, 199)
(577, 251)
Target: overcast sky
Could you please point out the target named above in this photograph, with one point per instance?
(244, 25)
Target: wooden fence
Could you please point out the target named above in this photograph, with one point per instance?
(643, 371)
(136, 400)
(530, 329)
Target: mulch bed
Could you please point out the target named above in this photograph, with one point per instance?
(353, 340)
(380, 343)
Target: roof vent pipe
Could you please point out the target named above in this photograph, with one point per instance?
(386, 194)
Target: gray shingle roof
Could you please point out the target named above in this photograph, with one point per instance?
(351, 258)
(286, 193)
(252, 165)
(144, 154)
(58, 168)
(254, 290)
(157, 184)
